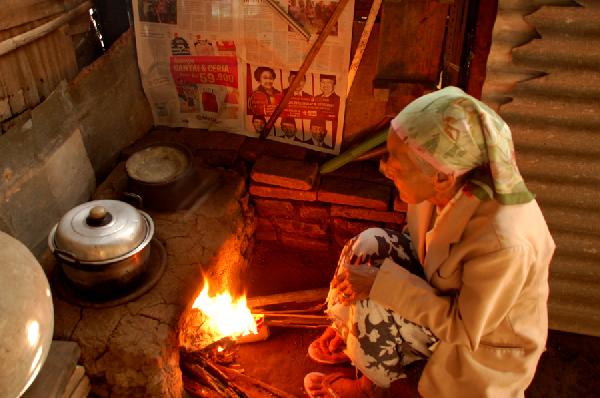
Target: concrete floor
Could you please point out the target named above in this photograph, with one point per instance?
(569, 367)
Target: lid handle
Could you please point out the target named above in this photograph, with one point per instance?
(98, 217)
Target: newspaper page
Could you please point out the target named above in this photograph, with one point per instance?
(224, 65)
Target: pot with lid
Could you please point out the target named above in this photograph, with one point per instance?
(102, 246)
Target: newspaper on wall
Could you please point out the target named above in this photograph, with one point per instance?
(224, 65)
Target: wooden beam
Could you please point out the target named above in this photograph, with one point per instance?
(15, 42)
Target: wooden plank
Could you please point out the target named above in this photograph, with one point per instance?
(5, 111)
(83, 388)
(74, 381)
(56, 371)
(411, 42)
(18, 12)
(456, 47)
(14, 81)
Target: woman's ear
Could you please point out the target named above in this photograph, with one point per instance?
(443, 182)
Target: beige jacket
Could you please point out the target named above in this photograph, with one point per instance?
(487, 267)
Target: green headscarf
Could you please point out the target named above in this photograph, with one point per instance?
(456, 134)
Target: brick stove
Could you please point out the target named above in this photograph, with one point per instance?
(132, 349)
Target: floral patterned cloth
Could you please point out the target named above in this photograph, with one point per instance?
(456, 134)
(379, 341)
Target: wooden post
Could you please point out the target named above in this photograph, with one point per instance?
(362, 44)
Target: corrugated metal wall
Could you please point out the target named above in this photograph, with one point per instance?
(545, 60)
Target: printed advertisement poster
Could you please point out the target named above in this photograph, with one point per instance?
(224, 65)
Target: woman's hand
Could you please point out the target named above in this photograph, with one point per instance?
(354, 282)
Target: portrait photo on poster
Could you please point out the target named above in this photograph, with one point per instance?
(310, 118)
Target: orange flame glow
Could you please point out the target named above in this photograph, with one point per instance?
(226, 316)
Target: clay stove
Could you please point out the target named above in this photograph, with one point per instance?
(132, 349)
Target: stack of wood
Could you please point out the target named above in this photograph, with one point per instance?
(301, 309)
(209, 367)
(213, 373)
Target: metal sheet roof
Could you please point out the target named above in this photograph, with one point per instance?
(544, 79)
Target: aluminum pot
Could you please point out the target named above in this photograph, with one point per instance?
(161, 177)
(102, 246)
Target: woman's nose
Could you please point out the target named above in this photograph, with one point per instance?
(383, 168)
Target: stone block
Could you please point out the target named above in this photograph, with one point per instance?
(300, 242)
(294, 174)
(269, 191)
(252, 148)
(300, 228)
(313, 213)
(367, 214)
(274, 208)
(399, 204)
(265, 230)
(354, 193)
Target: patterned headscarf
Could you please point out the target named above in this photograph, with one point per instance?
(456, 134)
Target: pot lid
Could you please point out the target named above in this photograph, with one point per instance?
(100, 230)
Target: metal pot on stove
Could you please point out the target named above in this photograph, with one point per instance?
(162, 177)
(102, 246)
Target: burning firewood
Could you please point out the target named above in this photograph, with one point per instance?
(210, 330)
(223, 387)
(193, 335)
(197, 389)
(204, 378)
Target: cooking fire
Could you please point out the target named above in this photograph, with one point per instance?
(217, 323)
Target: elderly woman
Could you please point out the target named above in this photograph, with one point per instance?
(467, 290)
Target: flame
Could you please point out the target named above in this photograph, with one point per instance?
(226, 316)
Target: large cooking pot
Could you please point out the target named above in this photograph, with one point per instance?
(102, 246)
(162, 176)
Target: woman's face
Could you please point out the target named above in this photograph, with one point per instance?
(413, 185)
(266, 79)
